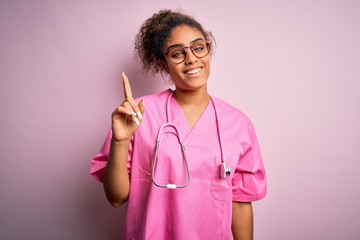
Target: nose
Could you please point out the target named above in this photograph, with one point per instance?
(190, 57)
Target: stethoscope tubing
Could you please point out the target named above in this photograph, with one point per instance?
(178, 134)
(158, 141)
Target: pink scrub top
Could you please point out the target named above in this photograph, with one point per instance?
(202, 210)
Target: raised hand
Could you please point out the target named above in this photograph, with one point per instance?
(127, 117)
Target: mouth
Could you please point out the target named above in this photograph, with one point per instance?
(193, 71)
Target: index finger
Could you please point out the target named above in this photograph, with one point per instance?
(127, 87)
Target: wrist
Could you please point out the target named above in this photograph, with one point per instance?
(121, 142)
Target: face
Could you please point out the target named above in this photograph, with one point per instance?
(193, 72)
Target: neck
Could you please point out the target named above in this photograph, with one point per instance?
(191, 98)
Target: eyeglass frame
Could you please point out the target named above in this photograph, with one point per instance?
(208, 45)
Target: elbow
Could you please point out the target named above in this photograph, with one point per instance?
(117, 199)
(117, 202)
(116, 196)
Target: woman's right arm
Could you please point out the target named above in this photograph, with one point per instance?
(125, 122)
(116, 178)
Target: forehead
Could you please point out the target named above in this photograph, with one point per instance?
(183, 35)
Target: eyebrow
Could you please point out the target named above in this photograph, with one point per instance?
(181, 45)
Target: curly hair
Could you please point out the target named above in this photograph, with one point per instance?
(155, 31)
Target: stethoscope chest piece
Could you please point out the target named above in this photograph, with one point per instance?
(224, 171)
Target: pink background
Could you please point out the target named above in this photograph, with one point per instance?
(292, 66)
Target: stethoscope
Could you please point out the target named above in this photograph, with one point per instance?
(224, 170)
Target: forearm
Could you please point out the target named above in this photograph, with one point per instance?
(242, 221)
(116, 178)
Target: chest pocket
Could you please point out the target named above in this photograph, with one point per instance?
(221, 188)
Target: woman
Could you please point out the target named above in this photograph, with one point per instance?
(202, 189)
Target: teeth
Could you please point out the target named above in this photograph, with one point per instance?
(193, 71)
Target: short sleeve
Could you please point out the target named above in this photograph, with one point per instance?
(98, 162)
(249, 181)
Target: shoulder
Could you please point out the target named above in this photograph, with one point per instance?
(156, 97)
(229, 112)
(155, 100)
(155, 106)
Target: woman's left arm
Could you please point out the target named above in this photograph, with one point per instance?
(242, 221)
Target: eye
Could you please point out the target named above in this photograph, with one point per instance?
(177, 53)
(199, 47)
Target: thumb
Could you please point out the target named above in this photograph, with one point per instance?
(141, 106)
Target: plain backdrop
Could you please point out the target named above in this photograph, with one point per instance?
(292, 66)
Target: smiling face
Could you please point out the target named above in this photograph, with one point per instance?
(193, 72)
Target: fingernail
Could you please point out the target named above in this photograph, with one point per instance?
(143, 102)
(132, 113)
(139, 114)
(123, 74)
(136, 121)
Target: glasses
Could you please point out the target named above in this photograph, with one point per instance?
(177, 54)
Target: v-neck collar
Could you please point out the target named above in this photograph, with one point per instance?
(196, 135)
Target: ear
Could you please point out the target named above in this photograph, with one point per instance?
(164, 66)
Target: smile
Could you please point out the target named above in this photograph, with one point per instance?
(193, 71)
